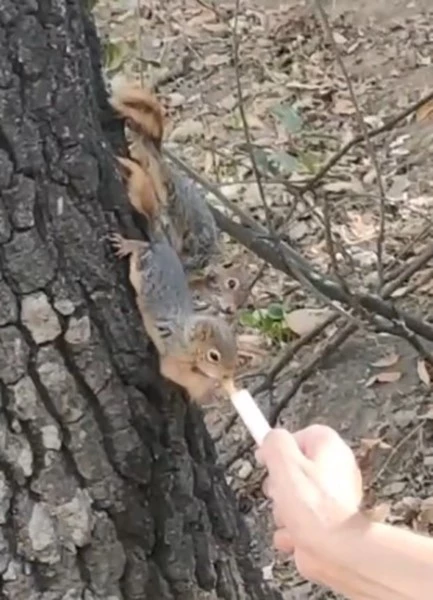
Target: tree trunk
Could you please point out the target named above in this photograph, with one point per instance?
(108, 483)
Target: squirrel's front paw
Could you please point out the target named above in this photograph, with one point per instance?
(119, 244)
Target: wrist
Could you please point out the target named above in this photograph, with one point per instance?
(333, 560)
(346, 536)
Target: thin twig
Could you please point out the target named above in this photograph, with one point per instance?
(210, 187)
(246, 129)
(408, 270)
(291, 351)
(212, 8)
(405, 250)
(282, 361)
(252, 235)
(255, 240)
(364, 131)
(395, 450)
(330, 240)
(140, 41)
(268, 213)
(252, 283)
(344, 334)
(388, 126)
(332, 345)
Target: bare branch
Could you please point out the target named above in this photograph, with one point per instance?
(415, 265)
(330, 241)
(256, 238)
(314, 363)
(388, 126)
(247, 134)
(289, 261)
(140, 40)
(390, 271)
(287, 355)
(364, 131)
(212, 8)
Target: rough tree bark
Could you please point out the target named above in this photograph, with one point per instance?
(108, 483)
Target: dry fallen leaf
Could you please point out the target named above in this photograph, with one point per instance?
(339, 38)
(428, 414)
(216, 60)
(425, 516)
(425, 112)
(304, 320)
(359, 229)
(370, 443)
(384, 377)
(343, 106)
(386, 361)
(423, 373)
(400, 292)
(187, 130)
(379, 513)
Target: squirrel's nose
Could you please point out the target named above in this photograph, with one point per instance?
(228, 309)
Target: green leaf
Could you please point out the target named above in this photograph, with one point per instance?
(251, 318)
(275, 312)
(309, 162)
(262, 159)
(114, 55)
(285, 162)
(289, 117)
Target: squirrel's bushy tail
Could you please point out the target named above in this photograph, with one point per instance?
(141, 191)
(141, 108)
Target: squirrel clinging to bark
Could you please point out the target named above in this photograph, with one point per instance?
(141, 190)
(193, 231)
(223, 287)
(196, 351)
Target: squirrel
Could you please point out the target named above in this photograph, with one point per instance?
(193, 231)
(141, 190)
(223, 287)
(196, 351)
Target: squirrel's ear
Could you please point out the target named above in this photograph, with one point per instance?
(211, 273)
(202, 330)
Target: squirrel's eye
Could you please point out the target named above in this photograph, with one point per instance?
(214, 356)
(232, 283)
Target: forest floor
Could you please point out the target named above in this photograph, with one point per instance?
(372, 389)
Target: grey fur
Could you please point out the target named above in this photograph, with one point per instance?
(161, 273)
(190, 214)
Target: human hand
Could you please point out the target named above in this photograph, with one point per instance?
(315, 486)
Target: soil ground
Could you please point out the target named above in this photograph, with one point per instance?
(387, 48)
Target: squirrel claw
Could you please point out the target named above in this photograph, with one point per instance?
(120, 245)
(123, 247)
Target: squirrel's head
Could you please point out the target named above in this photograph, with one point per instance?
(227, 286)
(214, 347)
(141, 109)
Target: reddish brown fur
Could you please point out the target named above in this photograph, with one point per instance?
(153, 167)
(143, 111)
(141, 190)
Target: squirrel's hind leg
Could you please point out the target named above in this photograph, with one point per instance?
(123, 247)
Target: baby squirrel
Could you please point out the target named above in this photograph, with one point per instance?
(196, 351)
(192, 230)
